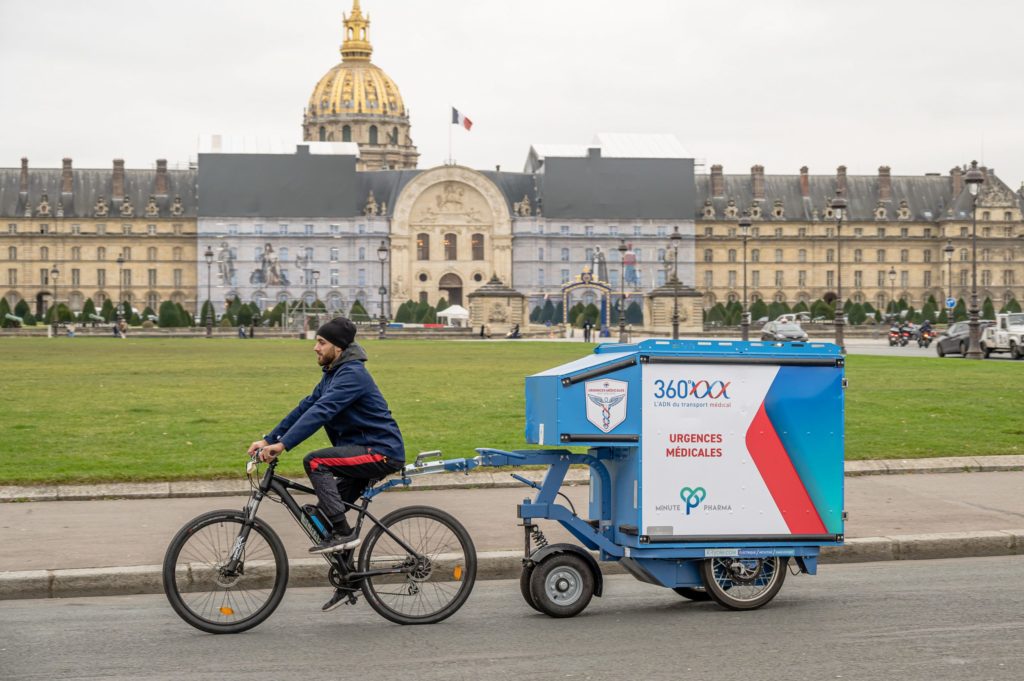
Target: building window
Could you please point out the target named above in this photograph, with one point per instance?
(986, 277)
(540, 254)
(101, 253)
(565, 276)
(373, 134)
(963, 277)
(151, 253)
(12, 277)
(801, 278)
(177, 229)
(1008, 278)
(858, 255)
(362, 253)
(151, 278)
(709, 231)
(44, 229)
(282, 228)
(778, 255)
(101, 278)
(830, 255)
(755, 278)
(12, 227)
(283, 255)
(334, 254)
(177, 278)
(858, 231)
(709, 255)
(927, 279)
(126, 253)
(423, 246)
(307, 230)
(880, 255)
(101, 229)
(662, 231)
(964, 255)
(927, 255)
(76, 252)
(801, 232)
(564, 229)
(904, 279)
(732, 279)
(881, 231)
(986, 215)
(830, 278)
(450, 246)
(177, 253)
(709, 279)
(881, 279)
(361, 229)
(778, 232)
(12, 252)
(613, 230)
(588, 230)
(477, 244)
(334, 278)
(778, 278)
(904, 255)
(76, 229)
(755, 255)
(126, 277)
(927, 232)
(732, 255)
(565, 255)
(126, 229)
(637, 230)
(44, 253)
(858, 279)
(257, 228)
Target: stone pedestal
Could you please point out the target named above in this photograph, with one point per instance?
(658, 306)
(497, 306)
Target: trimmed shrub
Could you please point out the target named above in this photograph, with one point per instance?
(988, 310)
(1012, 306)
(441, 304)
(168, 316)
(89, 308)
(758, 309)
(107, 311)
(358, 313)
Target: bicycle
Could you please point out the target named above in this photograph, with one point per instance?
(226, 571)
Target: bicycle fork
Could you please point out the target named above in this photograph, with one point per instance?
(231, 567)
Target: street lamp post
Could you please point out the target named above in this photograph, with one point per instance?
(208, 256)
(120, 285)
(675, 239)
(54, 274)
(839, 211)
(622, 297)
(744, 224)
(382, 255)
(973, 179)
(316, 295)
(948, 250)
(892, 289)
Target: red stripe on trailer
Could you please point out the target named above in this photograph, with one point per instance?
(345, 461)
(782, 480)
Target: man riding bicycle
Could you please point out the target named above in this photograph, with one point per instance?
(347, 404)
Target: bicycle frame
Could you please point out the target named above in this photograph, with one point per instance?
(271, 483)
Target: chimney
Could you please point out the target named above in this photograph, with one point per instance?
(23, 182)
(757, 180)
(805, 183)
(958, 180)
(66, 182)
(717, 181)
(884, 184)
(161, 177)
(118, 193)
(841, 179)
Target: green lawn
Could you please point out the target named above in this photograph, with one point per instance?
(103, 409)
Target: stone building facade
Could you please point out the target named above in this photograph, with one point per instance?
(80, 222)
(896, 225)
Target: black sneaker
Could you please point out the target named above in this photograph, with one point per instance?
(337, 542)
(337, 599)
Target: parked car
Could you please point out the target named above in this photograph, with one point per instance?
(794, 317)
(956, 339)
(783, 331)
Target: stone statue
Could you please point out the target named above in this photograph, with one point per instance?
(151, 208)
(522, 208)
(498, 313)
(177, 208)
(127, 209)
(44, 206)
(101, 209)
(371, 205)
(383, 207)
(269, 273)
(226, 264)
(600, 267)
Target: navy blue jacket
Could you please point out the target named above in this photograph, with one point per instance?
(349, 406)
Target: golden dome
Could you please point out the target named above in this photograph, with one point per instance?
(356, 86)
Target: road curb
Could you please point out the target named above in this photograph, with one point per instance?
(471, 480)
(146, 579)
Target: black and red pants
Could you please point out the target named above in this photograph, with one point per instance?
(342, 473)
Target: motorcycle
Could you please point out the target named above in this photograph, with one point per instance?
(925, 338)
(905, 335)
(894, 336)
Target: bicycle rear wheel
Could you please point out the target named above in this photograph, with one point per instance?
(428, 589)
(203, 594)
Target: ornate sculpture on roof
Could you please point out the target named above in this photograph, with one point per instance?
(177, 209)
(101, 209)
(709, 209)
(127, 209)
(904, 210)
(43, 209)
(371, 205)
(152, 210)
(383, 208)
(522, 208)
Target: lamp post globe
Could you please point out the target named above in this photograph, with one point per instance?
(622, 248)
(974, 179)
(208, 308)
(382, 255)
(838, 206)
(674, 239)
(744, 225)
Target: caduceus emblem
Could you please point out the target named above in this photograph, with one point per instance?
(606, 404)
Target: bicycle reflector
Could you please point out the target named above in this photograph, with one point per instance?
(225, 610)
(457, 573)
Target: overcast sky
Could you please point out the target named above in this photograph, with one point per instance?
(917, 85)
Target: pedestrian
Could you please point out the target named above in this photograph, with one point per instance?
(241, 332)
(366, 444)
(482, 327)
(587, 328)
(122, 327)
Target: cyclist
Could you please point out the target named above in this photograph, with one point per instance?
(367, 444)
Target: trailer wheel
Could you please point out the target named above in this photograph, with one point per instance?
(743, 584)
(524, 586)
(561, 585)
(694, 593)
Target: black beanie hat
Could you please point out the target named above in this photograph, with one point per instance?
(339, 331)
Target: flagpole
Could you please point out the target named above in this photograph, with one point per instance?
(450, 161)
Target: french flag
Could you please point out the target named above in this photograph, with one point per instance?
(459, 119)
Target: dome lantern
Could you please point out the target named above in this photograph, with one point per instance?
(356, 44)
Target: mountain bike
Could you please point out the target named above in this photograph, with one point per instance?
(226, 571)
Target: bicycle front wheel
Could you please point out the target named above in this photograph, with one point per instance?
(426, 586)
(204, 593)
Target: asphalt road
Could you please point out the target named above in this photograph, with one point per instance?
(955, 619)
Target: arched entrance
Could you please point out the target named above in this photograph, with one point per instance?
(43, 300)
(451, 286)
(587, 282)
